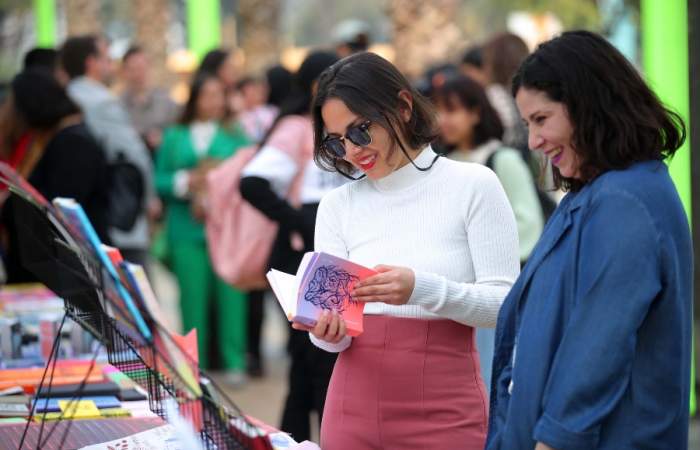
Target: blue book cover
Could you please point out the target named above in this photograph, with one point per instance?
(75, 214)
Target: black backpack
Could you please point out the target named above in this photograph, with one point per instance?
(547, 203)
(126, 191)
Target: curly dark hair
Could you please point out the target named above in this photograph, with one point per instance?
(369, 85)
(617, 120)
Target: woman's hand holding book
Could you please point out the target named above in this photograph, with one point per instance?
(330, 327)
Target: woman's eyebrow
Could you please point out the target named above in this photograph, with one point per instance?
(355, 122)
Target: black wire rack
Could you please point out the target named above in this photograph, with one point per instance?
(61, 260)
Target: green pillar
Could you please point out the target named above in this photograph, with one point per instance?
(664, 29)
(203, 26)
(45, 23)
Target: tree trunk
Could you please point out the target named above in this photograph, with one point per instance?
(259, 25)
(82, 16)
(151, 20)
(424, 33)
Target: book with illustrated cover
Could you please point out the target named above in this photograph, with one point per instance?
(323, 282)
(74, 214)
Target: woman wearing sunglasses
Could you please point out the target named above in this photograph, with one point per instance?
(444, 241)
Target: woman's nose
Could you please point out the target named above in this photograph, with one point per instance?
(534, 141)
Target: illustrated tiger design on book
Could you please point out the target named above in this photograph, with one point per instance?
(330, 288)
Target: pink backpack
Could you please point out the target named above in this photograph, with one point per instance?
(239, 236)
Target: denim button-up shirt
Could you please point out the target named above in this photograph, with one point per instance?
(593, 343)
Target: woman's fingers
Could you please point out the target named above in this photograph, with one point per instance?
(321, 326)
(301, 326)
(333, 325)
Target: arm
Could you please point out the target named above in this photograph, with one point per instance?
(265, 183)
(519, 186)
(329, 240)
(586, 381)
(493, 243)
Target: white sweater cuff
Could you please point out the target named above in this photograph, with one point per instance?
(331, 348)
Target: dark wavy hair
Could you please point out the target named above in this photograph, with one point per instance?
(369, 86)
(463, 92)
(213, 60)
(617, 120)
(40, 100)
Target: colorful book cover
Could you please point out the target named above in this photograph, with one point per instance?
(44, 404)
(74, 213)
(323, 283)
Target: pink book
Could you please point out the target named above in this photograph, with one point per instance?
(323, 283)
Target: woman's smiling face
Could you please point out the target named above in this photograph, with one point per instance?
(549, 130)
(376, 160)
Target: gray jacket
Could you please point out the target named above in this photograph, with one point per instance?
(109, 122)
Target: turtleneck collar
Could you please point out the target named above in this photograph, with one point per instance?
(407, 175)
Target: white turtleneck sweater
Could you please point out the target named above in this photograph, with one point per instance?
(452, 225)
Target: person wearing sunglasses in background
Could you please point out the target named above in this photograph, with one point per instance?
(444, 241)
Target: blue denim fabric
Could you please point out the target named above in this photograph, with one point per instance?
(593, 343)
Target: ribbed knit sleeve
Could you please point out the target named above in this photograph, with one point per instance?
(490, 227)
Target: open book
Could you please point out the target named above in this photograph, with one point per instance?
(323, 283)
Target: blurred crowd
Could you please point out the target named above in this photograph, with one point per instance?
(139, 162)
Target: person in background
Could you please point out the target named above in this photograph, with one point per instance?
(86, 61)
(501, 57)
(220, 62)
(442, 237)
(469, 124)
(472, 65)
(46, 59)
(251, 108)
(593, 344)
(150, 108)
(63, 159)
(279, 83)
(351, 36)
(15, 137)
(188, 151)
(285, 184)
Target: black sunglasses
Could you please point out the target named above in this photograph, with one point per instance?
(358, 134)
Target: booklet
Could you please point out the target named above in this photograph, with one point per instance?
(323, 282)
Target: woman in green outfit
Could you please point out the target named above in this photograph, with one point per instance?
(189, 150)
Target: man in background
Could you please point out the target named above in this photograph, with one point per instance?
(86, 61)
(149, 107)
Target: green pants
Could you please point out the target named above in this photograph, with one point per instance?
(201, 290)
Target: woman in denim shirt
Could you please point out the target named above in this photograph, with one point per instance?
(593, 343)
